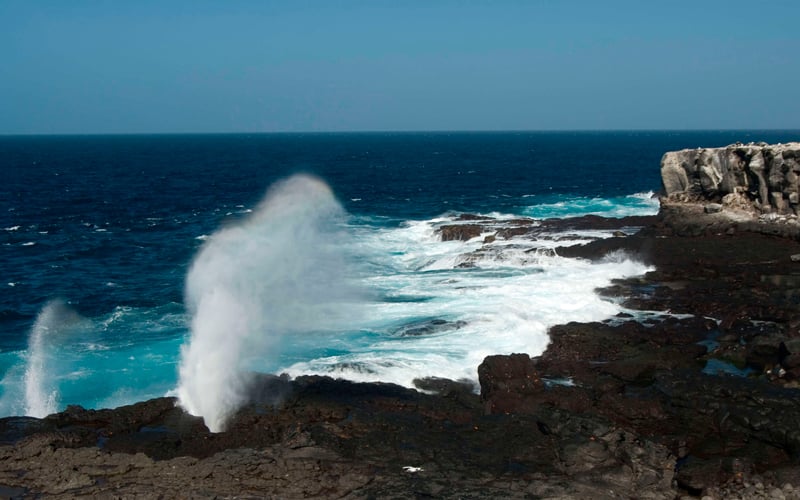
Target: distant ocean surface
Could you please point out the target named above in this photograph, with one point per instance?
(137, 266)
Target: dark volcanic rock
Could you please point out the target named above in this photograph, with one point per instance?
(597, 222)
(447, 387)
(474, 217)
(740, 288)
(339, 439)
(428, 327)
(507, 381)
(461, 232)
(472, 226)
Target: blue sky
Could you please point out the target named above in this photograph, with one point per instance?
(245, 66)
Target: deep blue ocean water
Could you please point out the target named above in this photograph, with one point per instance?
(98, 233)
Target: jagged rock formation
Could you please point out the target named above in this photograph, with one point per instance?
(756, 177)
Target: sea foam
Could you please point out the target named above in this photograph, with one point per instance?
(462, 301)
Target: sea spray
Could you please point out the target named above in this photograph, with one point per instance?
(446, 305)
(281, 272)
(41, 393)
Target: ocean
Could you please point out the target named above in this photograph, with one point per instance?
(141, 266)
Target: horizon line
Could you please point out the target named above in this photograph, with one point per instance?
(384, 132)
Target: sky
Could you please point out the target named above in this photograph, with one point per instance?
(84, 67)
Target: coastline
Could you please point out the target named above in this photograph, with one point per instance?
(615, 409)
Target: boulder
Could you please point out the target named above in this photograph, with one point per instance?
(507, 382)
(460, 232)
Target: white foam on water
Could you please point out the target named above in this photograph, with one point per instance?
(644, 203)
(504, 303)
(116, 315)
(275, 293)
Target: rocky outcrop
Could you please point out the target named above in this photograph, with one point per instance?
(718, 382)
(460, 232)
(335, 439)
(756, 177)
(469, 226)
(507, 381)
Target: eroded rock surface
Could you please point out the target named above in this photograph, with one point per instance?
(756, 178)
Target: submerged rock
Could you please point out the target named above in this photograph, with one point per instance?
(429, 327)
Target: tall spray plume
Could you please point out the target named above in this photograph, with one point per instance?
(41, 391)
(281, 272)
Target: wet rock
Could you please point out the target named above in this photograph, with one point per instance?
(444, 386)
(474, 217)
(11, 492)
(460, 232)
(507, 381)
(597, 222)
(14, 429)
(428, 327)
(696, 474)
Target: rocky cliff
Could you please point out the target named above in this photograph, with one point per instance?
(758, 178)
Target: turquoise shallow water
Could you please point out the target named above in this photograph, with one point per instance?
(98, 234)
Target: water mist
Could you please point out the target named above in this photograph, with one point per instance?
(41, 394)
(280, 272)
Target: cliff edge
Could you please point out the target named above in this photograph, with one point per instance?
(748, 187)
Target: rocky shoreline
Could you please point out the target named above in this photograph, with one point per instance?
(644, 405)
(693, 393)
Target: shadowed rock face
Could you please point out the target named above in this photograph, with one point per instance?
(760, 178)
